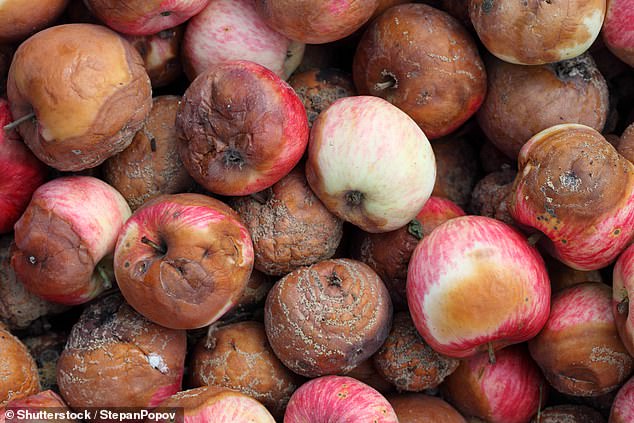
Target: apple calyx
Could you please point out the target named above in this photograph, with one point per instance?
(233, 158)
(354, 198)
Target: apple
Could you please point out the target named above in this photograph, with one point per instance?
(183, 260)
(66, 237)
(369, 163)
(421, 408)
(618, 29)
(18, 369)
(232, 30)
(475, 284)
(568, 414)
(623, 406)
(21, 173)
(42, 401)
(241, 128)
(338, 399)
(19, 19)
(509, 391)
(622, 288)
(144, 17)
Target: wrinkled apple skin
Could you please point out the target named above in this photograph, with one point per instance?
(232, 30)
(70, 225)
(618, 29)
(144, 17)
(622, 307)
(475, 281)
(369, 163)
(338, 399)
(623, 406)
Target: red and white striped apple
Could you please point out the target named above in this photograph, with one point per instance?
(618, 29)
(575, 188)
(622, 289)
(338, 399)
(623, 406)
(66, 236)
(232, 30)
(144, 17)
(475, 284)
(370, 163)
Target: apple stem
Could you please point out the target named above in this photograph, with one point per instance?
(491, 353)
(18, 122)
(534, 238)
(380, 86)
(153, 244)
(415, 228)
(539, 405)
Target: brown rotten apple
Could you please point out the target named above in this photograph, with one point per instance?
(18, 371)
(88, 91)
(183, 260)
(575, 188)
(19, 19)
(241, 128)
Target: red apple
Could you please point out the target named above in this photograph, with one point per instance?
(622, 288)
(338, 399)
(505, 392)
(183, 260)
(475, 284)
(618, 29)
(144, 17)
(232, 30)
(66, 236)
(369, 163)
(21, 173)
(241, 128)
(623, 406)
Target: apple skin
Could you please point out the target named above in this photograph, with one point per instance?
(369, 163)
(623, 406)
(622, 307)
(475, 282)
(144, 17)
(618, 29)
(240, 128)
(338, 399)
(19, 19)
(421, 408)
(203, 268)
(232, 30)
(21, 173)
(505, 392)
(47, 400)
(68, 228)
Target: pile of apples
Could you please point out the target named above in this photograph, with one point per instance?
(318, 211)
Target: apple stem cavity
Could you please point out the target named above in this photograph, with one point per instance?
(415, 229)
(354, 198)
(391, 82)
(491, 353)
(18, 122)
(623, 306)
(160, 249)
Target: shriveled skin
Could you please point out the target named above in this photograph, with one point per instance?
(505, 392)
(183, 260)
(622, 289)
(408, 362)
(491, 194)
(290, 227)
(238, 356)
(327, 318)
(161, 54)
(622, 410)
(316, 21)
(388, 253)
(579, 349)
(113, 347)
(523, 100)
(144, 17)
(85, 71)
(569, 414)
(618, 29)
(420, 408)
(423, 61)
(625, 146)
(69, 227)
(18, 371)
(338, 399)
(535, 32)
(475, 283)
(369, 163)
(240, 128)
(457, 167)
(45, 400)
(150, 166)
(233, 30)
(575, 188)
(19, 19)
(319, 88)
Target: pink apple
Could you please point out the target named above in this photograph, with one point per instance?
(66, 237)
(144, 17)
(338, 399)
(21, 173)
(475, 284)
(623, 406)
(232, 30)
(370, 163)
(622, 288)
(43, 401)
(241, 128)
(618, 29)
(505, 392)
